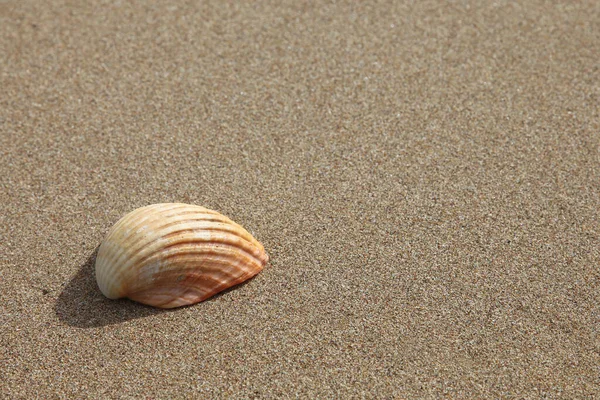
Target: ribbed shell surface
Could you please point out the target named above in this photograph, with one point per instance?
(170, 255)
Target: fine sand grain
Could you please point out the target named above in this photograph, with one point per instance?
(424, 175)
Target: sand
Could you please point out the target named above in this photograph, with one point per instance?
(424, 175)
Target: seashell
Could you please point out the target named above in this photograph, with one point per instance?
(170, 255)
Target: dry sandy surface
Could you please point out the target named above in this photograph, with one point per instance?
(424, 175)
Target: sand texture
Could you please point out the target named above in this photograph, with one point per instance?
(425, 176)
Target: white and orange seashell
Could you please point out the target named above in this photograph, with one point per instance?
(170, 255)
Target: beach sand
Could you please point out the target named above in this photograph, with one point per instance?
(425, 177)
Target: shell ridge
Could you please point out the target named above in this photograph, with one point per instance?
(205, 261)
(134, 231)
(223, 241)
(116, 258)
(209, 261)
(205, 292)
(167, 242)
(221, 251)
(215, 246)
(250, 266)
